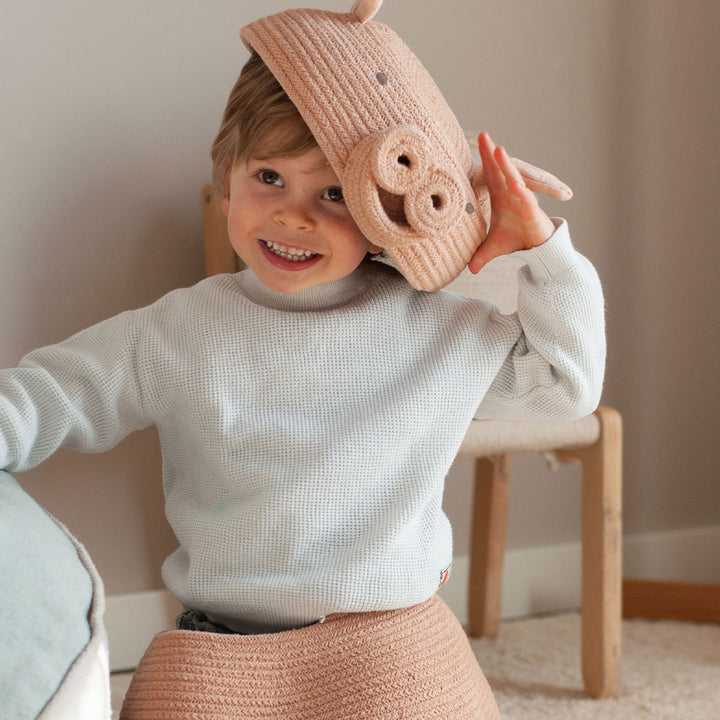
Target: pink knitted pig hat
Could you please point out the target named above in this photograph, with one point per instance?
(400, 154)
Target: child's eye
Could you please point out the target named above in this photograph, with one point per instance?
(269, 177)
(334, 193)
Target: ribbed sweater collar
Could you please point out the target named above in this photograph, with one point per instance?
(320, 297)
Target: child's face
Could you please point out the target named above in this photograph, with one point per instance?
(288, 222)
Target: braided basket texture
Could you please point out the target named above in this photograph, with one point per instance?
(411, 663)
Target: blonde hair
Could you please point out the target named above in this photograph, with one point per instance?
(259, 121)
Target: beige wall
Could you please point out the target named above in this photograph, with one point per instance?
(664, 366)
(107, 113)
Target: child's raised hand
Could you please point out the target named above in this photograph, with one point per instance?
(517, 221)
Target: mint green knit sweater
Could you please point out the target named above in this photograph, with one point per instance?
(306, 437)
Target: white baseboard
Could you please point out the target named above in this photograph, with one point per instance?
(535, 580)
(685, 555)
(132, 621)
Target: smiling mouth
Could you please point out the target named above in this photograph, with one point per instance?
(289, 253)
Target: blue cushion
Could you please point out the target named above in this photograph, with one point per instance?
(45, 597)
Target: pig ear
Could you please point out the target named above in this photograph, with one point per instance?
(539, 180)
(364, 10)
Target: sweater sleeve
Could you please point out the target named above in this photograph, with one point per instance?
(82, 393)
(555, 365)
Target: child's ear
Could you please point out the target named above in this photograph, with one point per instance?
(375, 249)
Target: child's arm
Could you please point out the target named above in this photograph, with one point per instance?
(81, 393)
(555, 359)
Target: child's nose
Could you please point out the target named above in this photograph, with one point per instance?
(294, 215)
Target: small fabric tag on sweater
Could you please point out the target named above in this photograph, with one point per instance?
(444, 575)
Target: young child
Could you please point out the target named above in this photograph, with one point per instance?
(310, 406)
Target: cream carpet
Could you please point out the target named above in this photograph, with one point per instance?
(670, 670)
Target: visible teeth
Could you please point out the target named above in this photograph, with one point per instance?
(294, 254)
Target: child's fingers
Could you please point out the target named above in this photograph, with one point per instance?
(482, 256)
(510, 172)
(494, 177)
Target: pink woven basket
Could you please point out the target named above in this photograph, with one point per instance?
(411, 663)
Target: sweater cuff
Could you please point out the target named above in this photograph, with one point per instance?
(553, 257)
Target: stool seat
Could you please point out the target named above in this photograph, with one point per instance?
(491, 437)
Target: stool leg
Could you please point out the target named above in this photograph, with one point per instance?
(487, 547)
(602, 556)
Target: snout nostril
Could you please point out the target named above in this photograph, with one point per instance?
(437, 202)
(404, 160)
